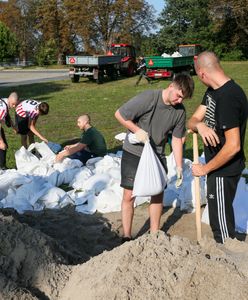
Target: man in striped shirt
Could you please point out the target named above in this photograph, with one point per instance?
(5, 105)
(27, 114)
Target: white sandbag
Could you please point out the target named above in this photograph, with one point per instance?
(92, 161)
(240, 206)
(80, 197)
(107, 163)
(165, 55)
(170, 198)
(90, 207)
(97, 183)
(117, 155)
(187, 194)
(108, 201)
(26, 162)
(141, 200)
(68, 175)
(79, 178)
(120, 136)
(132, 138)
(115, 174)
(52, 176)
(205, 215)
(54, 197)
(176, 54)
(150, 177)
(56, 148)
(171, 166)
(17, 201)
(67, 164)
(45, 152)
(12, 178)
(33, 191)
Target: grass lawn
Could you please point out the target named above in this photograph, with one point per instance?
(69, 100)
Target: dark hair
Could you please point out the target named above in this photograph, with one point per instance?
(43, 108)
(185, 83)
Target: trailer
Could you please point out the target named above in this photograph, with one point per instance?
(93, 67)
(166, 67)
(120, 60)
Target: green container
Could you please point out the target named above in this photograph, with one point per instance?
(159, 62)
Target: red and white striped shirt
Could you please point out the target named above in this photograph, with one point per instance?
(3, 109)
(28, 109)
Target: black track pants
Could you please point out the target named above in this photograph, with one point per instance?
(220, 194)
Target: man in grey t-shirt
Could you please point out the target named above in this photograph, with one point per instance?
(151, 115)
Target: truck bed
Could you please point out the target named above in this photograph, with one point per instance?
(96, 60)
(155, 62)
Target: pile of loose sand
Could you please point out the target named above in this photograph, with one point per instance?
(43, 257)
(159, 267)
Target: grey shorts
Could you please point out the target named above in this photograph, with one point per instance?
(129, 165)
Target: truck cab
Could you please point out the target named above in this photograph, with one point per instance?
(128, 57)
(189, 50)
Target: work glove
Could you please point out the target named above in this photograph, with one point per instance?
(179, 177)
(141, 136)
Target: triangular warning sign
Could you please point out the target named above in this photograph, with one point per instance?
(150, 63)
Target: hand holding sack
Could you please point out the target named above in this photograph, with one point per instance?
(141, 136)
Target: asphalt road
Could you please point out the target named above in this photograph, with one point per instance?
(22, 77)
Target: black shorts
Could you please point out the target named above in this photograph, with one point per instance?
(22, 124)
(129, 165)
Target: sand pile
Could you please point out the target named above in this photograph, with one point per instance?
(159, 267)
(56, 255)
(30, 262)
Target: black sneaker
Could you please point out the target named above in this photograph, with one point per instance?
(125, 239)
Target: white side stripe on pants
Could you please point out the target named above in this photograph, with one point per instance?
(221, 207)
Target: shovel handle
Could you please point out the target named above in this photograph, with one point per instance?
(197, 189)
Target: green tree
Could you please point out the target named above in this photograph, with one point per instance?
(8, 43)
(101, 22)
(184, 21)
(230, 25)
(20, 17)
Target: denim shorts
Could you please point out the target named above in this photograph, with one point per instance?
(129, 165)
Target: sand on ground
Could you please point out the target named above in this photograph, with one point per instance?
(62, 254)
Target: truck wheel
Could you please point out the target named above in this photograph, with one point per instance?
(99, 80)
(114, 75)
(75, 78)
(130, 70)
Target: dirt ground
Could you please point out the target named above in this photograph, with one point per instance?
(58, 254)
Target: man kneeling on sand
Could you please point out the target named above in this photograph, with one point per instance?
(91, 144)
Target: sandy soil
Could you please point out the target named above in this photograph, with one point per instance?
(66, 255)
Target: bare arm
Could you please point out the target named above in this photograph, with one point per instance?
(196, 124)
(126, 123)
(35, 131)
(69, 151)
(177, 146)
(228, 151)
